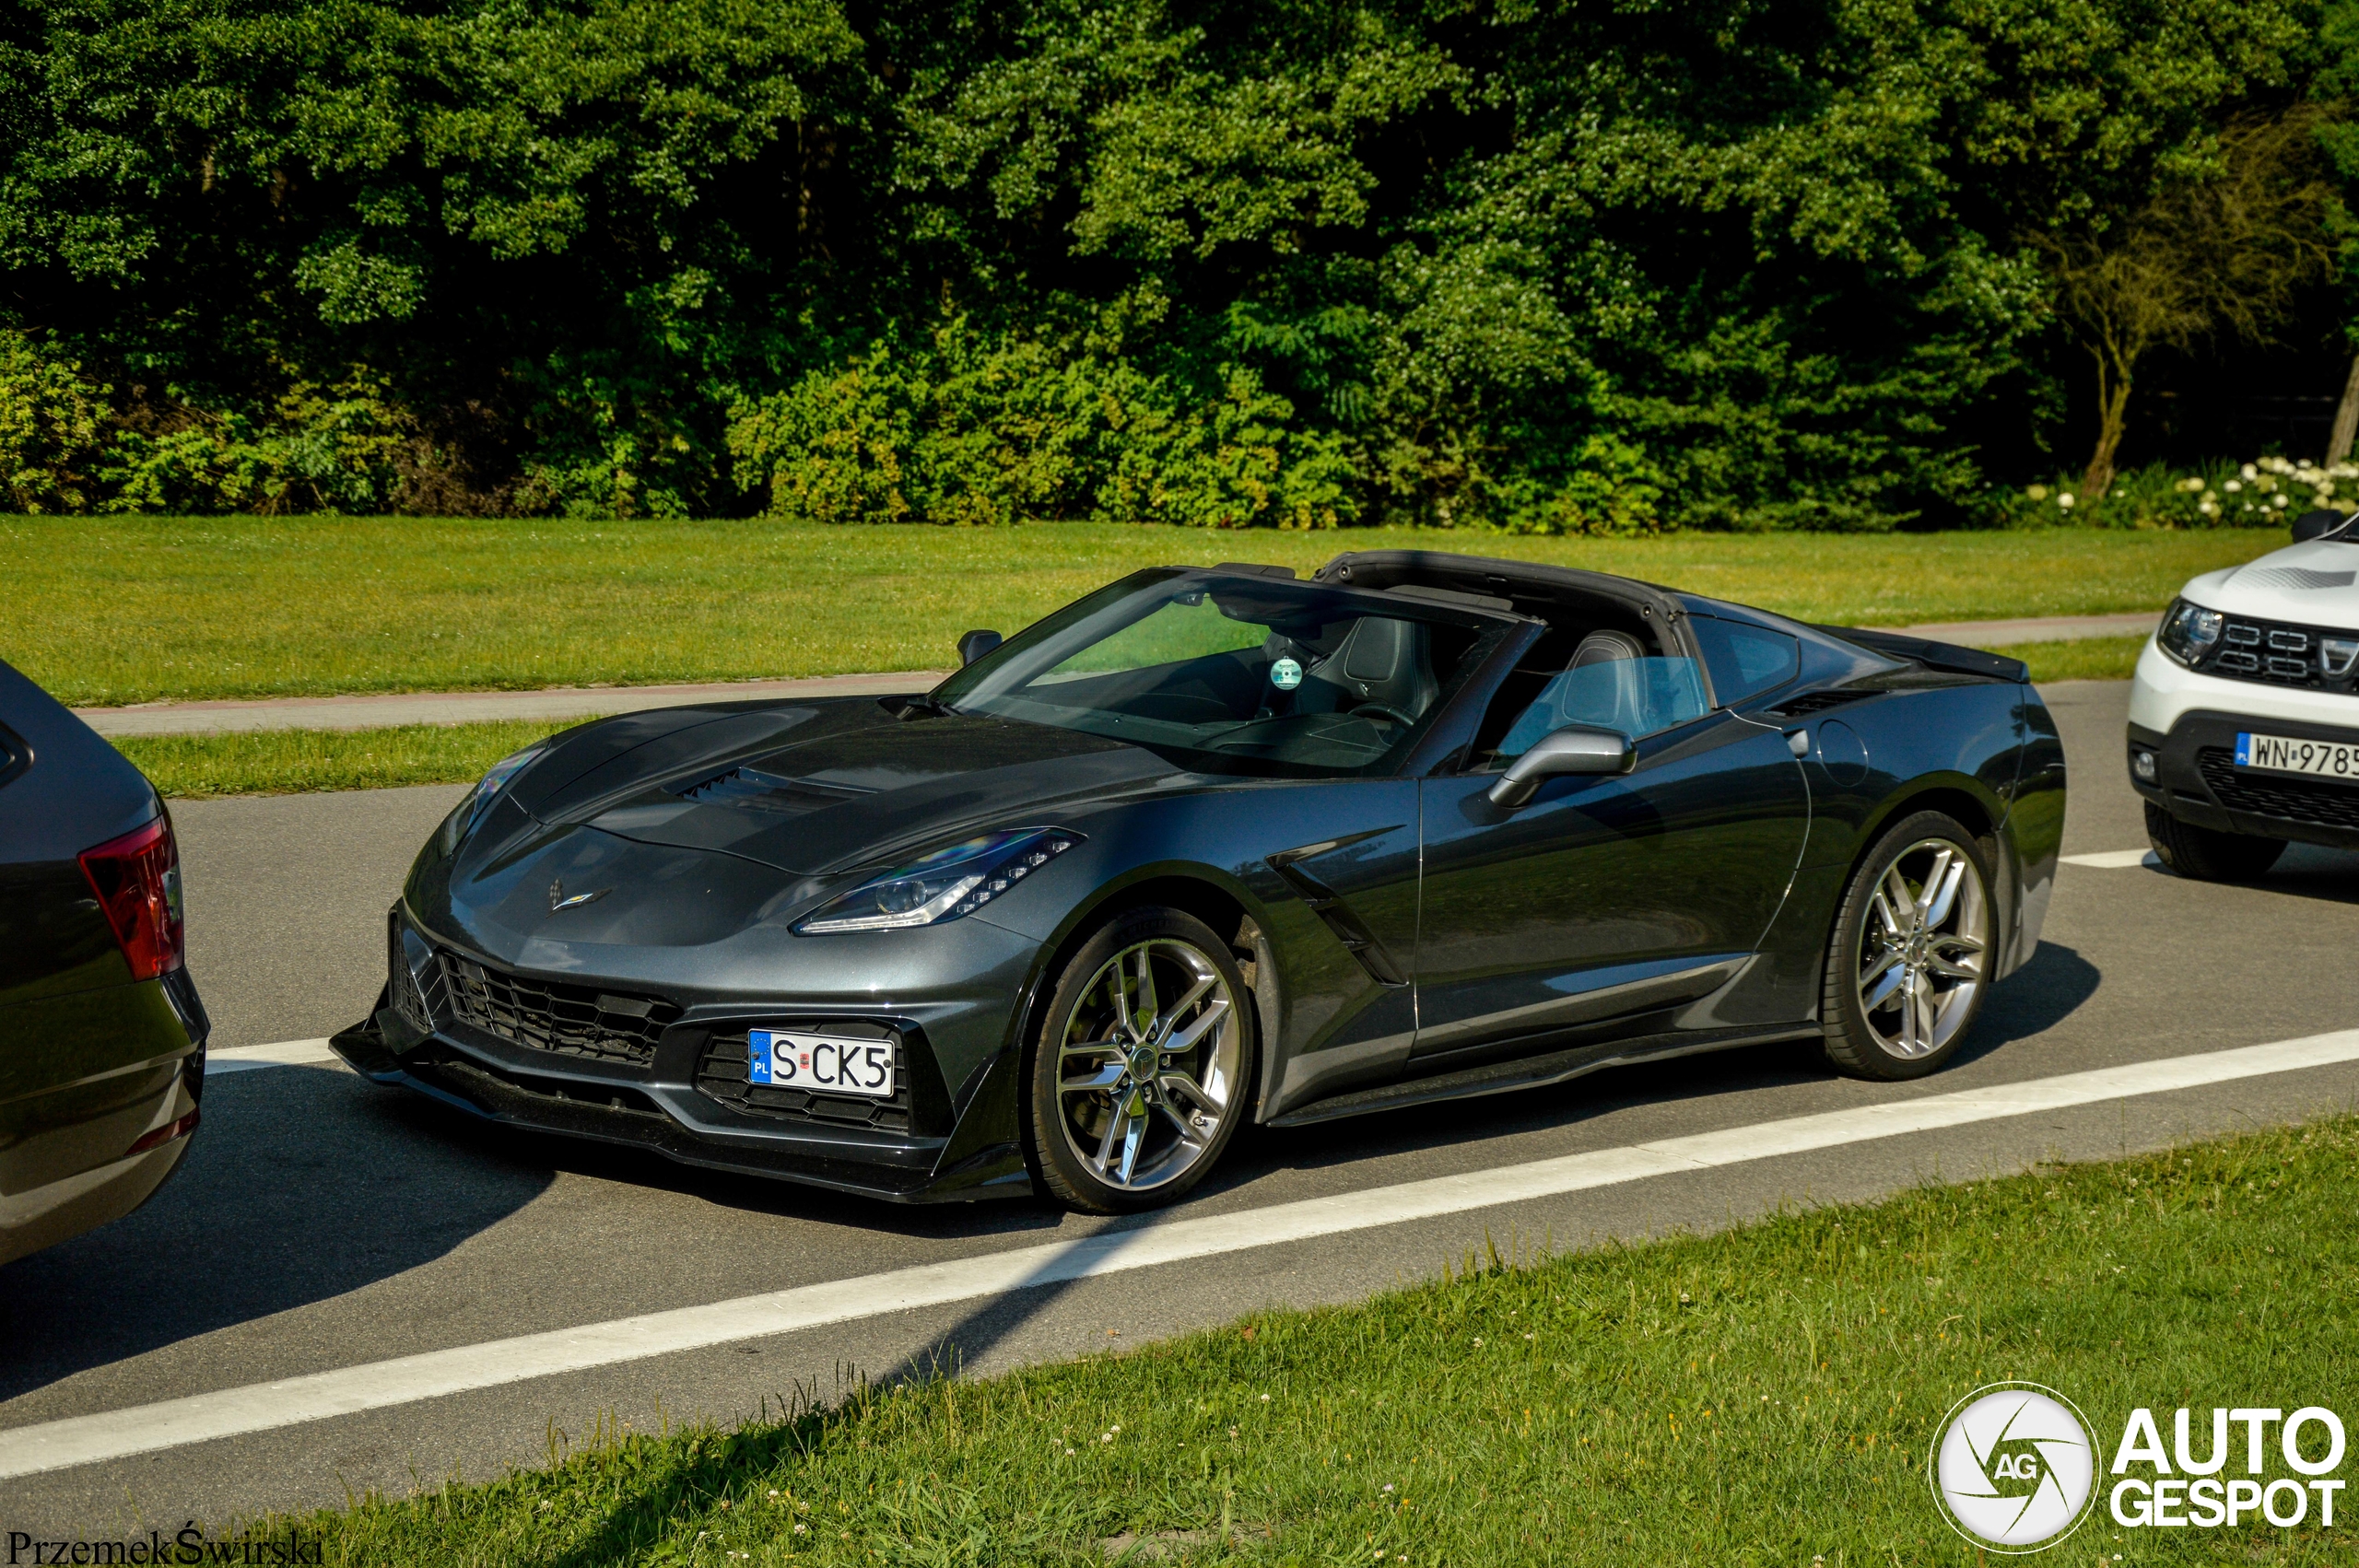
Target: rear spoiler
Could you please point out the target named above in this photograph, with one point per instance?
(1934, 655)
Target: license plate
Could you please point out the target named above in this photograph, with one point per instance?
(2282, 754)
(826, 1063)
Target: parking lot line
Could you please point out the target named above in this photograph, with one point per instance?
(282, 1053)
(171, 1423)
(2115, 859)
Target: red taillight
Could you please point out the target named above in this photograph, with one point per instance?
(137, 878)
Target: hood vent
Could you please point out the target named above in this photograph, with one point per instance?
(2297, 579)
(754, 788)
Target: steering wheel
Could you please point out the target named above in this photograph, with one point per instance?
(1382, 710)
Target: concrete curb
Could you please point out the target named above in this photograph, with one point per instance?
(2050, 628)
(381, 711)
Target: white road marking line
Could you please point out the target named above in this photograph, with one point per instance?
(284, 1053)
(2115, 859)
(113, 1435)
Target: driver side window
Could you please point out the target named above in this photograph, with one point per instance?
(1609, 680)
(1637, 696)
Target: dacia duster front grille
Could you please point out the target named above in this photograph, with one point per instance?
(2280, 654)
(2293, 800)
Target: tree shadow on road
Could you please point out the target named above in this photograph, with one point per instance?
(2042, 993)
(297, 1190)
(2035, 999)
(305, 1186)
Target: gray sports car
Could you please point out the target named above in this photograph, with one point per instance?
(1218, 845)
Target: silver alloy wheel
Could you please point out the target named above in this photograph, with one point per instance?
(1143, 1086)
(1924, 950)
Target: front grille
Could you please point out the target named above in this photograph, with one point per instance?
(720, 1076)
(545, 1015)
(2282, 655)
(2293, 800)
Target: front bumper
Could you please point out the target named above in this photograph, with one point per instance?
(664, 1068)
(642, 1115)
(2197, 780)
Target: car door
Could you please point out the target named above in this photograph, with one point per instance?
(1604, 898)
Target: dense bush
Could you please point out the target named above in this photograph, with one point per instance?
(964, 431)
(1591, 268)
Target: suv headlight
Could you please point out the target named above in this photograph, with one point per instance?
(942, 886)
(2189, 631)
(460, 823)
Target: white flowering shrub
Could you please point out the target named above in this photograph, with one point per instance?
(2268, 492)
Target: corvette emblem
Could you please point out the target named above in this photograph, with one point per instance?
(558, 900)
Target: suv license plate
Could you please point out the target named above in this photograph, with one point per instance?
(2282, 754)
(831, 1064)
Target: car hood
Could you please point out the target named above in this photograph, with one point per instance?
(2313, 584)
(824, 787)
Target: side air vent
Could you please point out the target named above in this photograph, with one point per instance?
(1808, 703)
(753, 787)
(1339, 918)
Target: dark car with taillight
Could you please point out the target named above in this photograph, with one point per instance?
(102, 1033)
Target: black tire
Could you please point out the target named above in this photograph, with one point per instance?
(2206, 854)
(1896, 1039)
(1070, 1131)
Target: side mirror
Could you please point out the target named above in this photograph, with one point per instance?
(975, 644)
(1574, 749)
(2318, 524)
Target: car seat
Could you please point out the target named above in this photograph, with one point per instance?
(1600, 647)
(1384, 660)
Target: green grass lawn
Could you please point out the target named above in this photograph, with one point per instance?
(140, 610)
(1766, 1396)
(289, 762)
(2087, 659)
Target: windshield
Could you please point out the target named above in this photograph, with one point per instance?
(1229, 674)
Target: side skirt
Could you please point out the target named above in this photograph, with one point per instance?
(1538, 1072)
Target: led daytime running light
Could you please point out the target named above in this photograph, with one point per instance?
(944, 886)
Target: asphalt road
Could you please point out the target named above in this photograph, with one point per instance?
(321, 1222)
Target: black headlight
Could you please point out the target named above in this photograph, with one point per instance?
(2189, 631)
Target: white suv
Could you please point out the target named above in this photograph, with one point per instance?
(2244, 716)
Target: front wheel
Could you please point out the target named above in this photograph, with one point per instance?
(1910, 956)
(1139, 1073)
(2206, 854)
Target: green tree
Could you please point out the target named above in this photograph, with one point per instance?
(2222, 249)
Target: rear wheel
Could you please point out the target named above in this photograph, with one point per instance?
(1139, 1076)
(2206, 854)
(1911, 952)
